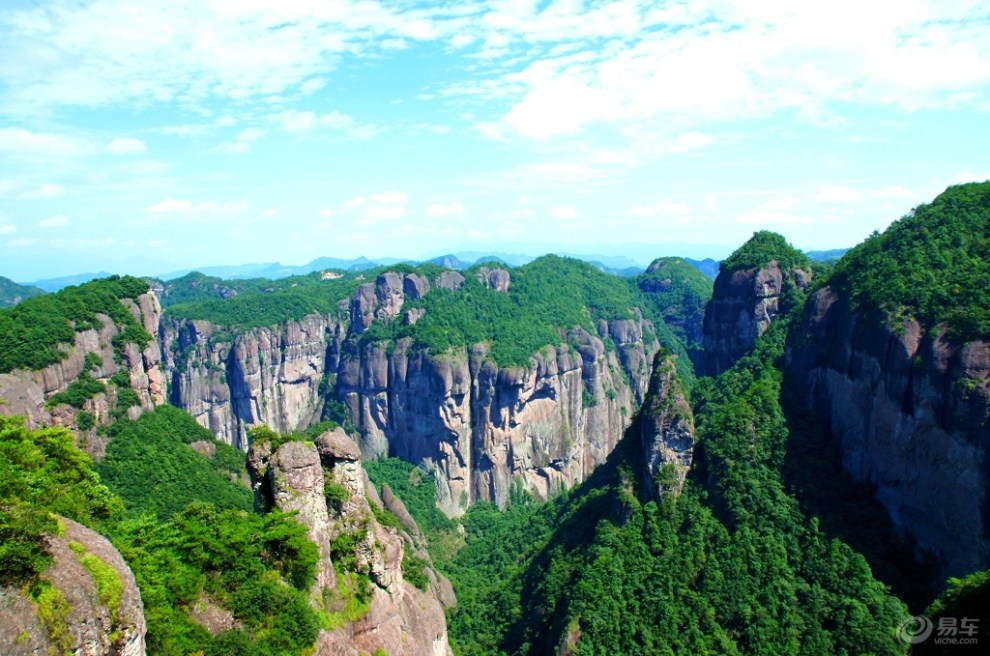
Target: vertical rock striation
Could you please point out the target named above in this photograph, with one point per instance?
(666, 430)
(910, 410)
(744, 303)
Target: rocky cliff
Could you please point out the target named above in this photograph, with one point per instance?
(232, 381)
(482, 428)
(744, 303)
(30, 393)
(325, 484)
(666, 430)
(909, 408)
(91, 605)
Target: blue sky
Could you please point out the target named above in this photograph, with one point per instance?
(144, 137)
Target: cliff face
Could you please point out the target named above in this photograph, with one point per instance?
(399, 618)
(231, 381)
(480, 427)
(743, 305)
(910, 411)
(83, 623)
(26, 392)
(666, 430)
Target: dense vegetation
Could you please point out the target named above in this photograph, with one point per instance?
(258, 302)
(732, 565)
(933, 265)
(149, 464)
(676, 292)
(763, 247)
(42, 472)
(12, 293)
(41, 330)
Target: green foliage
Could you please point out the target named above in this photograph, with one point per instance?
(53, 612)
(43, 469)
(546, 297)
(763, 247)
(78, 392)
(150, 465)
(730, 566)
(12, 293)
(258, 567)
(933, 265)
(416, 488)
(677, 292)
(41, 330)
(24, 535)
(85, 420)
(109, 587)
(967, 598)
(260, 302)
(414, 571)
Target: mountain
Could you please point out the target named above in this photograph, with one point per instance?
(826, 256)
(761, 280)
(55, 284)
(707, 266)
(893, 355)
(12, 293)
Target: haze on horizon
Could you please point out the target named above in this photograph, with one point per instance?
(156, 136)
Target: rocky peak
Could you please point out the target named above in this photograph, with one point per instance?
(666, 429)
(451, 280)
(89, 624)
(290, 478)
(497, 279)
(744, 303)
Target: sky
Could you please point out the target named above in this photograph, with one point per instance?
(146, 137)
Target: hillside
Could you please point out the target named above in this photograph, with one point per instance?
(12, 293)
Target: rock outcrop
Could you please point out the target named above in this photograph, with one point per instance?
(478, 426)
(666, 430)
(27, 392)
(744, 303)
(400, 619)
(230, 382)
(910, 410)
(83, 623)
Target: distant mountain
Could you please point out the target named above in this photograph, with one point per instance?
(55, 284)
(12, 293)
(707, 266)
(825, 256)
(449, 262)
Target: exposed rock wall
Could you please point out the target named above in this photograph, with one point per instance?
(91, 628)
(232, 381)
(910, 410)
(26, 392)
(401, 619)
(666, 430)
(744, 303)
(480, 427)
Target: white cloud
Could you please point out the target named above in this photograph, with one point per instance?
(565, 212)
(325, 212)
(269, 213)
(377, 213)
(122, 146)
(55, 222)
(438, 210)
(390, 198)
(351, 203)
(242, 143)
(895, 193)
(776, 211)
(22, 242)
(44, 190)
(663, 208)
(7, 228)
(170, 205)
(19, 141)
(838, 194)
(969, 176)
